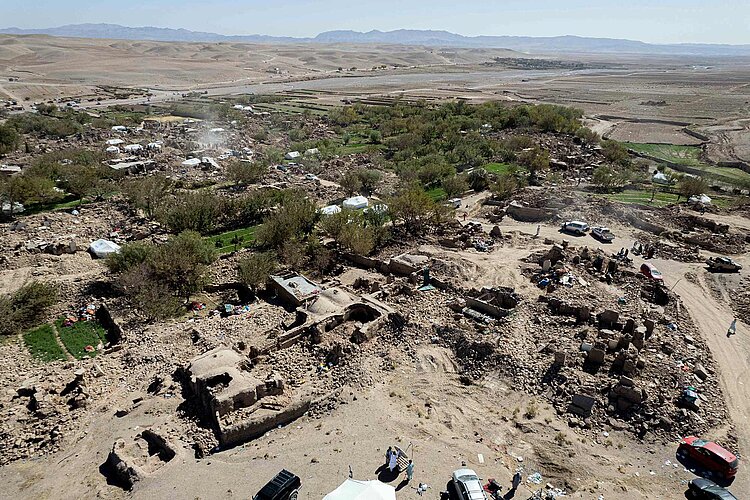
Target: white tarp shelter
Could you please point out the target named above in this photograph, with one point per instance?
(356, 203)
(115, 142)
(119, 128)
(291, 155)
(351, 489)
(192, 162)
(113, 149)
(706, 200)
(133, 147)
(103, 248)
(330, 210)
(660, 178)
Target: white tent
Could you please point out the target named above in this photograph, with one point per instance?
(133, 147)
(103, 248)
(291, 155)
(330, 210)
(356, 202)
(113, 149)
(115, 142)
(660, 178)
(192, 162)
(706, 200)
(351, 489)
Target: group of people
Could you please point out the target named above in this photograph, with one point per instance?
(391, 461)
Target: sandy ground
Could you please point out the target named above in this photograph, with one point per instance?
(421, 403)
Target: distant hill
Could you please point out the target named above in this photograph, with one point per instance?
(566, 43)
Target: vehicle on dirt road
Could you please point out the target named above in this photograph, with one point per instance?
(468, 486)
(284, 486)
(723, 265)
(575, 227)
(716, 460)
(602, 234)
(705, 489)
(650, 271)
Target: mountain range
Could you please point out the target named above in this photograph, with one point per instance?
(431, 38)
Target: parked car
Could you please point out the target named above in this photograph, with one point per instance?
(723, 265)
(454, 202)
(705, 489)
(709, 455)
(648, 270)
(284, 486)
(575, 227)
(468, 485)
(603, 234)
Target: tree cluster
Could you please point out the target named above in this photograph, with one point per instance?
(156, 278)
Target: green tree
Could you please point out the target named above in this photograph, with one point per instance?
(182, 263)
(245, 172)
(253, 271)
(605, 178)
(505, 186)
(376, 137)
(351, 183)
(536, 160)
(192, 211)
(9, 139)
(692, 186)
(413, 207)
(615, 152)
(295, 219)
(148, 193)
(478, 179)
(455, 186)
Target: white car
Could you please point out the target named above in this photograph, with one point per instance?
(575, 227)
(468, 485)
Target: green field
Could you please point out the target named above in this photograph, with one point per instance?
(223, 241)
(437, 194)
(689, 156)
(75, 338)
(498, 168)
(681, 155)
(43, 345)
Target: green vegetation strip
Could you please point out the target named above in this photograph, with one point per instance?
(681, 155)
(43, 345)
(76, 337)
(498, 168)
(224, 241)
(437, 194)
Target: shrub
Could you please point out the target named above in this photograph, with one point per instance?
(253, 271)
(24, 308)
(9, 139)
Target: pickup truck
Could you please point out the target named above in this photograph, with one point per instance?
(603, 234)
(723, 265)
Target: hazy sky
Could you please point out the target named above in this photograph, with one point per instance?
(657, 21)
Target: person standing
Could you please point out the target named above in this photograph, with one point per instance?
(393, 462)
(538, 229)
(409, 471)
(732, 328)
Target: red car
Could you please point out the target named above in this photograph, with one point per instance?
(709, 456)
(648, 270)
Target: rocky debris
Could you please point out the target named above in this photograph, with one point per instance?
(134, 460)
